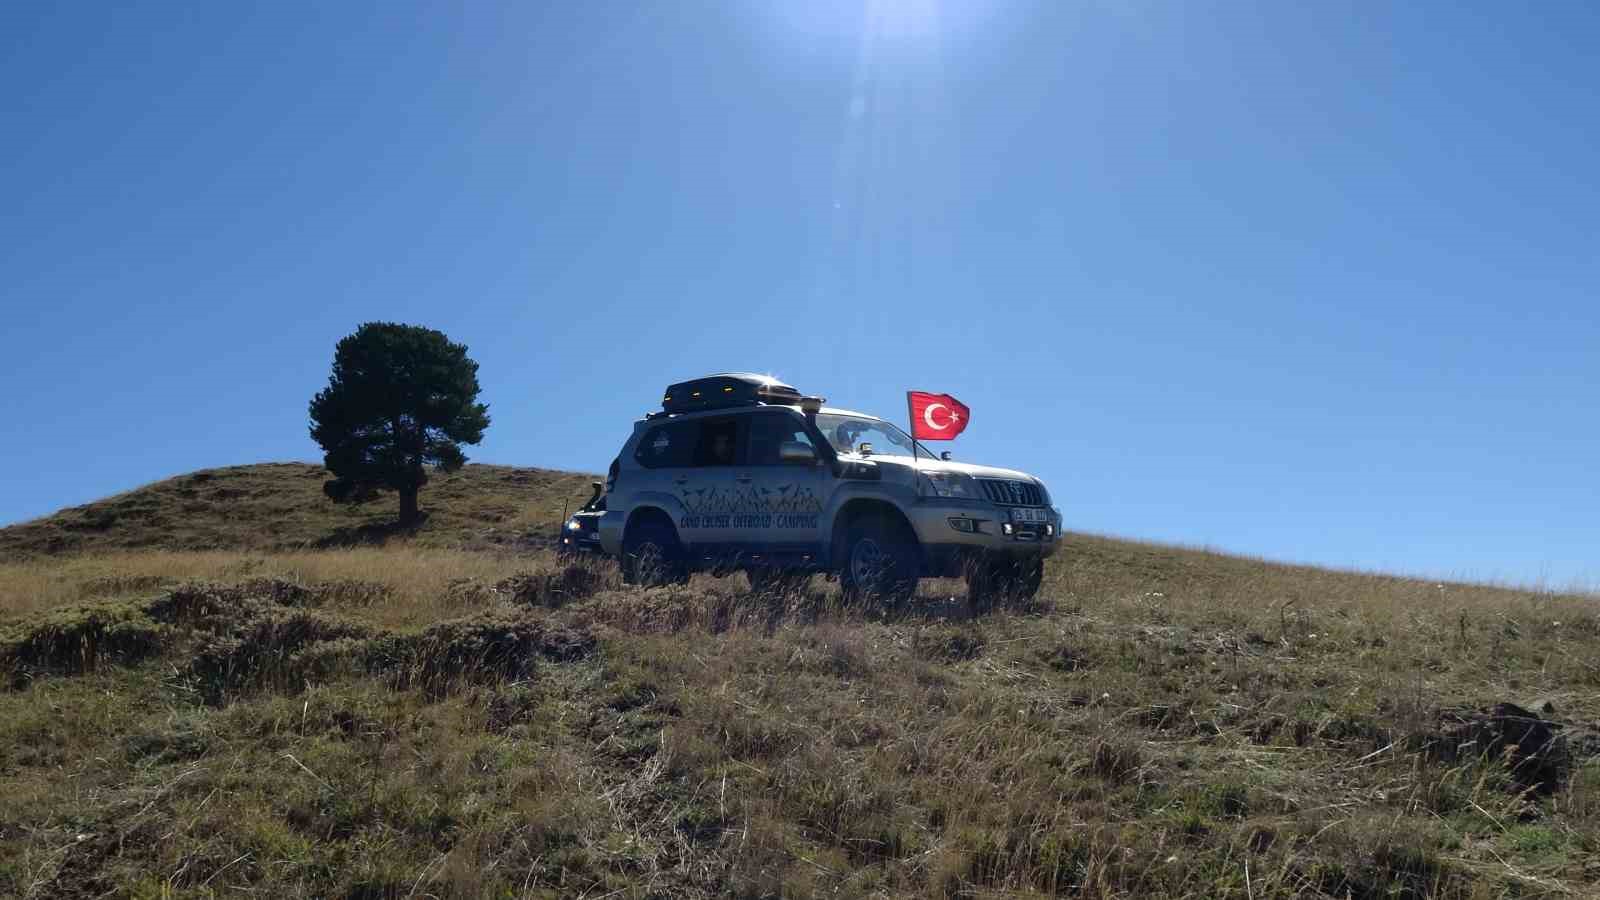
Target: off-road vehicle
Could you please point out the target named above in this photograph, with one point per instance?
(740, 471)
(580, 532)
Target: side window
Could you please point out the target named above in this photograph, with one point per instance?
(769, 431)
(668, 446)
(717, 442)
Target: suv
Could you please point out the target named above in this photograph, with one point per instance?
(739, 471)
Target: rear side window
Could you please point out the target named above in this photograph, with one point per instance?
(668, 446)
(702, 442)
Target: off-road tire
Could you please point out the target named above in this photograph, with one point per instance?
(651, 556)
(879, 563)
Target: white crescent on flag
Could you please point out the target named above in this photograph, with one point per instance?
(936, 417)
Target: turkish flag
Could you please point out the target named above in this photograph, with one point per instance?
(936, 417)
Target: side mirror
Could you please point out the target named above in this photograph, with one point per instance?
(945, 455)
(865, 449)
(796, 452)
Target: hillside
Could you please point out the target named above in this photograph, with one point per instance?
(223, 685)
(280, 506)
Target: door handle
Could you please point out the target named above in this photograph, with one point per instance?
(742, 479)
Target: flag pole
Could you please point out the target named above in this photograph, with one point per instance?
(911, 420)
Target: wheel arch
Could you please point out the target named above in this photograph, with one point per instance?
(642, 515)
(861, 508)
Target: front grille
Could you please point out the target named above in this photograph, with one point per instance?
(1011, 493)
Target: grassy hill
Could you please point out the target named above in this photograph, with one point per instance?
(221, 684)
(280, 506)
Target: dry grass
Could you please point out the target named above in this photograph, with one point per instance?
(416, 584)
(412, 720)
(280, 506)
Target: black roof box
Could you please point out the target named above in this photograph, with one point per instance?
(727, 389)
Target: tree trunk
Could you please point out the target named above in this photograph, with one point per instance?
(408, 506)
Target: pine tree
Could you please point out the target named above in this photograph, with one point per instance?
(401, 398)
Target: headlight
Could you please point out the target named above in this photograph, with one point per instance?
(950, 484)
(574, 526)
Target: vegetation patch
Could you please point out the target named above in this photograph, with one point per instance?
(496, 646)
(260, 635)
(270, 650)
(568, 584)
(950, 643)
(79, 639)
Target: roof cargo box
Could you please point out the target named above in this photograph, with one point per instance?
(727, 389)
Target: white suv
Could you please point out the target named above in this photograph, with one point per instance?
(739, 471)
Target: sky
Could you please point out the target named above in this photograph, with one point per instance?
(1309, 281)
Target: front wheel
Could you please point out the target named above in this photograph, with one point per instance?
(879, 564)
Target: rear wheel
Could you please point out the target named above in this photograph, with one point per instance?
(651, 555)
(879, 563)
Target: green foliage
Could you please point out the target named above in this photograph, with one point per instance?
(401, 398)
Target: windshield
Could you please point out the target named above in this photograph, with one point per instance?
(848, 433)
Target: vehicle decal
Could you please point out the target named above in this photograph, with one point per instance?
(783, 506)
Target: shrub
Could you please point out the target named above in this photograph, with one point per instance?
(78, 639)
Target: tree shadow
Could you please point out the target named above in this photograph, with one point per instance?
(369, 534)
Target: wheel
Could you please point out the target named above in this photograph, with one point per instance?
(651, 556)
(879, 563)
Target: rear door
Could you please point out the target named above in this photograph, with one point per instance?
(665, 454)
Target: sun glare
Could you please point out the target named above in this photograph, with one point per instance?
(894, 21)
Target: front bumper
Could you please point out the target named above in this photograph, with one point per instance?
(579, 546)
(583, 539)
(948, 549)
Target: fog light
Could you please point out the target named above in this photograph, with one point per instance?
(1007, 528)
(1049, 531)
(961, 523)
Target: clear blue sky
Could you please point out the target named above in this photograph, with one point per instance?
(1313, 281)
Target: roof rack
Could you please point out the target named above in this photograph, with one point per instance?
(728, 389)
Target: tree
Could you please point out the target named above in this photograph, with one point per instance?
(401, 398)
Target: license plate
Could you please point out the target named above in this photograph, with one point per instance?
(1029, 515)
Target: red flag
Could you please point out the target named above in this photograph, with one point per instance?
(936, 417)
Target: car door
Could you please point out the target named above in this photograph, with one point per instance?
(707, 487)
(784, 499)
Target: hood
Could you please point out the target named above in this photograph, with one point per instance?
(924, 464)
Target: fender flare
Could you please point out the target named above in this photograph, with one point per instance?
(650, 508)
(864, 505)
